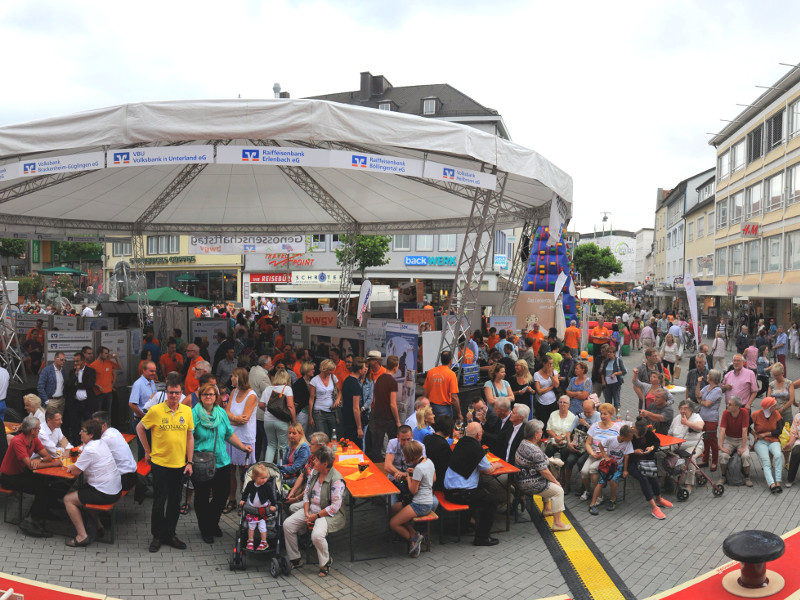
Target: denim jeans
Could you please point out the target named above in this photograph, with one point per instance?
(764, 449)
(325, 422)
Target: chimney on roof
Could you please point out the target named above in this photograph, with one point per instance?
(372, 85)
(276, 89)
(285, 95)
(365, 91)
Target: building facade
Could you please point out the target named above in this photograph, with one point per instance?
(757, 228)
(643, 246)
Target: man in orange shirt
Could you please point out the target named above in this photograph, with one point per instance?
(37, 333)
(193, 357)
(493, 338)
(341, 372)
(537, 337)
(441, 387)
(599, 336)
(376, 369)
(171, 361)
(572, 338)
(106, 367)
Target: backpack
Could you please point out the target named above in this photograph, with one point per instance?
(734, 475)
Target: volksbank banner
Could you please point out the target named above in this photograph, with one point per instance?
(60, 164)
(247, 244)
(249, 155)
(168, 155)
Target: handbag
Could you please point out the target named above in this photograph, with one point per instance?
(277, 406)
(204, 464)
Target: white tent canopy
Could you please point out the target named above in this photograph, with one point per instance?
(591, 293)
(246, 198)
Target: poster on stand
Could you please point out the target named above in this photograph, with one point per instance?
(24, 323)
(535, 307)
(64, 323)
(349, 340)
(68, 342)
(117, 342)
(509, 323)
(99, 323)
(402, 340)
(376, 335)
(207, 329)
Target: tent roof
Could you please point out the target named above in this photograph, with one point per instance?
(247, 198)
(164, 295)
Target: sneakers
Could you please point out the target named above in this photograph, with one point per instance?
(612, 504)
(593, 510)
(787, 484)
(584, 496)
(664, 503)
(416, 546)
(658, 513)
(722, 480)
(748, 482)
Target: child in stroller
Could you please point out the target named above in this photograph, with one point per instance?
(258, 496)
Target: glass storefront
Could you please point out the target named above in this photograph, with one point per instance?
(220, 285)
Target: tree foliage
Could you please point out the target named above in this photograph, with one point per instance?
(367, 251)
(12, 248)
(613, 309)
(593, 262)
(80, 251)
(30, 285)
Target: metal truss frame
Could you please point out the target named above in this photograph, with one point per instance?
(346, 226)
(472, 261)
(518, 267)
(11, 357)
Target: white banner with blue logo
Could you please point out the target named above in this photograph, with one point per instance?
(69, 163)
(450, 174)
(276, 156)
(167, 155)
(9, 171)
(376, 163)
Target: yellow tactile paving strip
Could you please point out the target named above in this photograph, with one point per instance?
(584, 562)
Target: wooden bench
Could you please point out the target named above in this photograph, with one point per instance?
(426, 520)
(143, 469)
(7, 495)
(449, 509)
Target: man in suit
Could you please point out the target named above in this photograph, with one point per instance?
(495, 436)
(507, 446)
(51, 383)
(81, 399)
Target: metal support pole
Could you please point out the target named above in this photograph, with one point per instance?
(472, 262)
(518, 267)
(11, 357)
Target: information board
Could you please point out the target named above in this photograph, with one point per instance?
(64, 323)
(117, 342)
(68, 342)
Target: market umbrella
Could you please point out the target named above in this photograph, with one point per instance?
(186, 277)
(163, 295)
(60, 271)
(594, 294)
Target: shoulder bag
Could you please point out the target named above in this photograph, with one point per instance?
(204, 464)
(277, 406)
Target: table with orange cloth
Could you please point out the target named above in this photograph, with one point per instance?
(372, 483)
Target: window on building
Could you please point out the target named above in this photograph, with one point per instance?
(317, 242)
(680, 235)
(793, 250)
(794, 185)
(772, 253)
(690, 231)
(429, 106)
(737, 160)
(721, 262)
(668, 269)
(737, 207)
(794, 118)
(163, 244)
(121, 249)
(424, 243)
(724, 165)
(722, 214)
(753, 195)
(775, 131)
(447, 242)
(701, 225)
(384, 106)
(755, 144)
(699, 268)
(710, 268)
(402, 242)
(774, 192)
(689, 266)
(335, 241)
(752, 256)
(669, 240)
(735, 260)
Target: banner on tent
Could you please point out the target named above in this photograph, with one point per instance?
(450, 174)
(68, 163)
(247, 244)
(272, 155)
(164, 155)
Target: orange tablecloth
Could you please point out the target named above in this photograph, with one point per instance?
(11, 427)
(376, 484)
(668, 440)
(128, 437)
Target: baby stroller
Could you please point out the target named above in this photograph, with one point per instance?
(676, 466)
(274, 520)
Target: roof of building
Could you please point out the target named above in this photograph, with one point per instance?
(743, 119)
(680, 189)
(700, 206)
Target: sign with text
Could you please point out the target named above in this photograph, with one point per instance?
(375, 163)
(316, 277)
(68, 163)
(9, 171)
(278, 156)
(450, 174)
(535, 307)
(163, 155)
(247, 244)
(270, 278)
(319, 318)
(751, 229)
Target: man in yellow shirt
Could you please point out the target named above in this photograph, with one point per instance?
(171, 425)
(441, 387)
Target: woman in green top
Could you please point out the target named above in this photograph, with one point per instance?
(211, 423)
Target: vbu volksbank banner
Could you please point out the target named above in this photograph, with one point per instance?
(275, 156)
(247, 244)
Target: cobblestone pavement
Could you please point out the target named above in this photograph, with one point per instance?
(649, 555)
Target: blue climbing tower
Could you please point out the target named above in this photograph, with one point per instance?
(544, 265)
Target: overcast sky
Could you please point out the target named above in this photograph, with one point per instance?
(619, 95)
